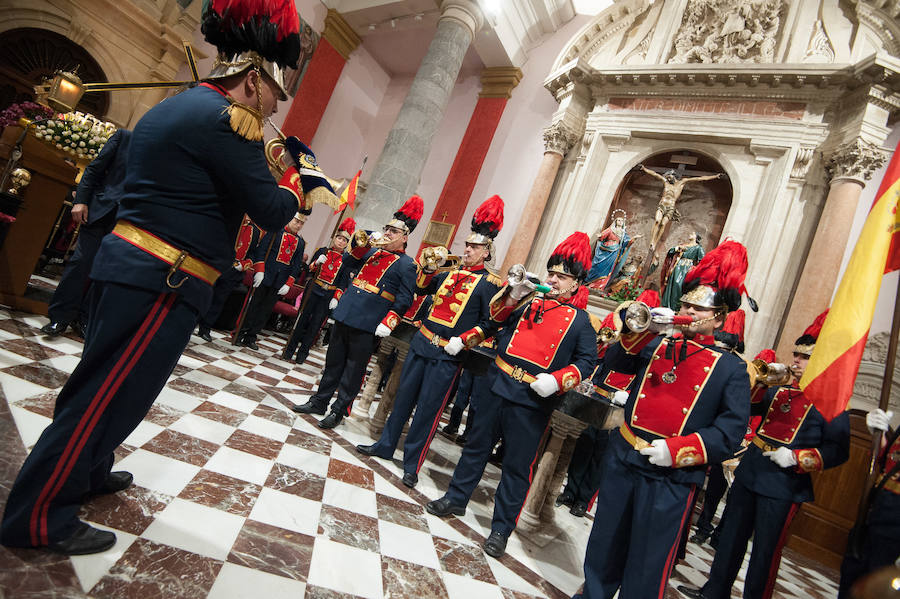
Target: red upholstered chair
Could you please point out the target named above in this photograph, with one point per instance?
(287, 308)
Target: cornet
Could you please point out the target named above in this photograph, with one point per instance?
(361, 238)
(770, 375)
(439, 259)
(517, 275)
(638, 319)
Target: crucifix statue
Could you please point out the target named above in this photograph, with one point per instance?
(673, 185)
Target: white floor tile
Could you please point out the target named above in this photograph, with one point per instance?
(235, 402)
(265, 428)
(30, 425)
(287, 511)
(240, 464)
(238, 582)
(144, 431)
(177, 399)
(462, 587)
(15, 388)
(203, 428)
(329, 569)
(350, 497)
(406, 544)
(158, 473)
(195, 528)
(91, 568)
(204, 378)
(303, 459)
(65, 363)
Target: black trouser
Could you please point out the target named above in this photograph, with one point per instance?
(716, 485)
(880, 544)
(345, 367)
(225, 284)
(67, 303)
(308, 326)
(134, 340)
(463, 395)
(259, 311)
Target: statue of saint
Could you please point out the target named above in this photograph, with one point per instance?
(673, 185)
(679, 260)
(610, 250)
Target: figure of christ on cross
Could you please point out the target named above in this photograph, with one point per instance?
(673, 185)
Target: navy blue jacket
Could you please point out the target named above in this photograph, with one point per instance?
(364, 309)
(285, 259)
(790, 420)
(462, 301)
(189, 180)
(709, 399)
(103, 181)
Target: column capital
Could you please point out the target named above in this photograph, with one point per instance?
(339, 34)
(465, 12)
(856, 160)
(559, 138)
(498, 82)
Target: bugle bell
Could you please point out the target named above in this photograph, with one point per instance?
(516, 275)
(771, 374)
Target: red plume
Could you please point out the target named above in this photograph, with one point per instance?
(734, 324)
(349, 225)
(609, 321)
(490, 213)
(580, 299)
(816, 327)
(577, 248)
(649, 297)
(724, 266)
(413, 208)
(766, 355)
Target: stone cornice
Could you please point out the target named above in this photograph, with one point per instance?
(803, 83)
(339, 34)
(498, 82)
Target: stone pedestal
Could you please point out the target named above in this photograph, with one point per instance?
(575, 413)
(364, 401)
(386, 404)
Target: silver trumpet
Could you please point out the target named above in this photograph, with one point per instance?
(770, 375)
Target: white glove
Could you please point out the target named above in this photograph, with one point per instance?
(375, 236)
(879, 420)
(239, 267)
(545, 385)
(321, 259)
(782, 456)
(661, 320)
(258, 278)
(382, 330)
(333, 303)
(283, 289)
(454, 346)
(619, 398)
(658, 453)
(517, 292)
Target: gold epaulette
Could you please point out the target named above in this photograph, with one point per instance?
(494, 278)
(245, 120)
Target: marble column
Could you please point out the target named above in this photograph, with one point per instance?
(318, 83)
(558, 140)
(849, 166)
(399, 167)
(497, 84)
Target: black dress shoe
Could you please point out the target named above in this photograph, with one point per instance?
(448, 432)
(204, 333)
(54, 329)
(699, 537)
(115, 482)
(301, 357)
(565, 498)
(495, 546)
(77, 328)
(443, 507)
(692, 592)
(332, 420)
(579, 509)
(371, 450)
(85, 540)
(410, 479)
(461, 440)
(249, 344)
(309, 407)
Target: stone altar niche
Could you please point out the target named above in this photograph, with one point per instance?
(703, 206)
(821, 87)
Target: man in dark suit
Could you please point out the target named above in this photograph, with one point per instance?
(96, 202)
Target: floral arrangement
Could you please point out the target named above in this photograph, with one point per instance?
(626, 292)
(23, 110)
(75, 133)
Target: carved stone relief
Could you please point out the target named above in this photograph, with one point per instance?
(725, 31)
(559, 138)
(819, 49)
(867, 387)
(855, 160)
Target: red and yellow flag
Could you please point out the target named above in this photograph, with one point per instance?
(348, 198)
(834, 364)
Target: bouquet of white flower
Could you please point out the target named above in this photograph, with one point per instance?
(77, 134)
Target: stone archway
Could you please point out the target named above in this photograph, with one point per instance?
(28, 54)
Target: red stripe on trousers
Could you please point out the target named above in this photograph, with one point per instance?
(667, 571)
(531, 470)
(776, 558)
(38, 523)
(437, 419)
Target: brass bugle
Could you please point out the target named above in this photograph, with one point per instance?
(452, 262)
(361, 238)
(771, 374)
(638, 318)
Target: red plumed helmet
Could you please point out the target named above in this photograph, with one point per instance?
(807, 341)
(488, 219)
(572, 256)
(649, 297)
(717, 281)
(766, 355)
(815, 328)
(271, 28)
(734, 323)
(409, 215)
(348, 226)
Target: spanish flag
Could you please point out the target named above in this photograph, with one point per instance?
(348, 198)
(829, 376)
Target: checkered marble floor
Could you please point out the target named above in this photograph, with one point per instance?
(236, 496)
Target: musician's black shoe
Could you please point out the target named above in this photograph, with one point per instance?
(204, 333)
(115, 482)
(372, 450)
(410, 479)
(77, 328)
(310, 407)
(578, 509)
(332, 420)
(699, 537)
(565, 498)
(85, 540)
(443, 507)
(495, 546)
(249, 343)
(692, 592)
(54, 329)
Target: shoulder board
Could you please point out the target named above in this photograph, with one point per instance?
(493, 278)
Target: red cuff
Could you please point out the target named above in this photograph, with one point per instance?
(338, 292)
(246, 264)
(391, 320)
(472, 337)
(291, 182)
(358, 251)
(567, 378)
(424, 278)
(289, 282)
(687, 451)
(808, 460)
(259, 266)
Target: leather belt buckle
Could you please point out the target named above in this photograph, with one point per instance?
(435, 340)
(518, 374)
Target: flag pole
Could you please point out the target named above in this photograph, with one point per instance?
(883, 402)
